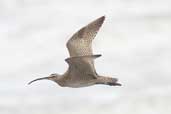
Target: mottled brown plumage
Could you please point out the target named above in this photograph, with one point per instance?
(81, 71)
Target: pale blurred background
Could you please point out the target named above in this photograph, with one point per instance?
(135, 43)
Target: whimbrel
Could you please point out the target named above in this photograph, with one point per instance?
(81, 71)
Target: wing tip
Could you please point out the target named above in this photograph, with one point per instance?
(101, 19)
(98, 22)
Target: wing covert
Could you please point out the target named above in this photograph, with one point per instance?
(83, 65)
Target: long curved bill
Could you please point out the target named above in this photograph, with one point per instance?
(44, 78)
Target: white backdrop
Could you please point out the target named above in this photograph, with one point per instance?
(134, 42)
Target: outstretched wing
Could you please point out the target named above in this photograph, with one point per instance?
(82, 67)
(80, 43)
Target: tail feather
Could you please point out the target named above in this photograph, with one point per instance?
(108, 81)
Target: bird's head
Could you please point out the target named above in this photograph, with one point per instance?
(53, 77)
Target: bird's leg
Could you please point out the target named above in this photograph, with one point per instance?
(108, 81)
(113, 84)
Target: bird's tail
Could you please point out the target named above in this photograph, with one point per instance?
(108, 81)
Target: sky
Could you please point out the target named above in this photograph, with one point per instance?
(134, 42)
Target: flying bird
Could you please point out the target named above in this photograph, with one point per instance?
(81, 71)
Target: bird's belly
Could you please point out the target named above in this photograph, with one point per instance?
(80, 84)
